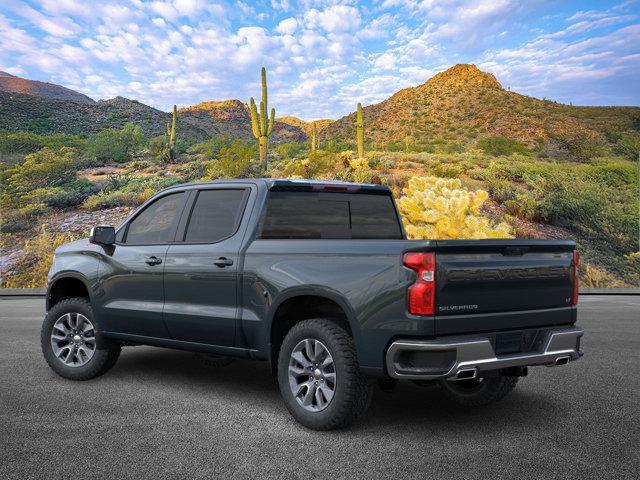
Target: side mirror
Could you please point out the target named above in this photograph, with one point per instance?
(103, 235)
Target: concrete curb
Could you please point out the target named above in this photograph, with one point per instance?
(41, 292)
(23, 292)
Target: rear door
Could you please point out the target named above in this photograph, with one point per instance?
(484, 285)
(202, 266)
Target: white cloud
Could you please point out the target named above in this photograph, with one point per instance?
(287, 26)
(335, 19)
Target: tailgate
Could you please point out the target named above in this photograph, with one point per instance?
(487, 285)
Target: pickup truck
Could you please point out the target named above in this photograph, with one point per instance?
(318, 279)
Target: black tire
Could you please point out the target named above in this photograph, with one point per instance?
(480, 391)
(213, 360)
(353, 391)
(106, 352)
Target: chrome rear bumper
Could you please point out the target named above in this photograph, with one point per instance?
(460, 357)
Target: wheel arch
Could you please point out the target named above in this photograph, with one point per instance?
(297, 305)
(67, 285)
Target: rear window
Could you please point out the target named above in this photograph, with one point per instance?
(330, 215)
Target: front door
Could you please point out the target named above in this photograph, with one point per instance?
(131, 274)
(201, 268)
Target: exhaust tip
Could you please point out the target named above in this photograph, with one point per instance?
(562, 361)
(467, 373)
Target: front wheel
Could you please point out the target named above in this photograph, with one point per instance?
(478, 391)
(319, 376)
(72, 344)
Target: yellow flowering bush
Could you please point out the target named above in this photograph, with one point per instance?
(440, 208)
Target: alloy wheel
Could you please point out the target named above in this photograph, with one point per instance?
(73, 339)
(312, 375)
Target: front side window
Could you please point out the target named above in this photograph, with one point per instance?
(155, 224)
(215, 215)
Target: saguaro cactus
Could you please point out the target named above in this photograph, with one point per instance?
(171, 135)
(314, 137)
(260, 124)
(360, 132)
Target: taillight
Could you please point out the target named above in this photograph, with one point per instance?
(576, 282)
(421, 295)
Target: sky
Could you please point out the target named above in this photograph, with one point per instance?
(322, 57)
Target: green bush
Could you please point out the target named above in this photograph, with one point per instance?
(44, 169)
(289, 150)
(116, 145)
(582, 146)
(629, 146)
(28, 142)
(232, 160)
(447, 171)
(67, 195)
(113, 199)
(498, 146)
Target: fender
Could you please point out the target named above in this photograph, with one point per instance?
(321, 291)
(61, 276)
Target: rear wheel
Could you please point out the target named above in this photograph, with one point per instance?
(319, 376)
(72, 344)
(478, 391)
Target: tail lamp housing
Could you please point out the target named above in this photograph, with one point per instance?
(576, 281)
(421, 295)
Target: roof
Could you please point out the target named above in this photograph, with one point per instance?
(299, 184)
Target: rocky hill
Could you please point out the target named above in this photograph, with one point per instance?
(305, 126)
(464, 103)
(47, 108)
(232, 118)
(16, 85)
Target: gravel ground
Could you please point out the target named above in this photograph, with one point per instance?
(162, 414)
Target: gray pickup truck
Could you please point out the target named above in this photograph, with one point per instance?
(319, 280)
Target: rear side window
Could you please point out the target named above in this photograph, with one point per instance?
(330, 215)
(215, 215)
(156, 222)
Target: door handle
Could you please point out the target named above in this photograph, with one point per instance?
(153, 261)
(223, 262)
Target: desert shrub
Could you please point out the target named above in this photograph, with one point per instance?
(437, 208)
(158, 145)
(188, 172)
(581, 146)
(43, 169)
(594, 277)
(28, 142)
(232, 160)
(629, 146)
(498, 146)
(115, 199)
(597, 200)
(523, 206)
(212, 147)
(116, 145)
(23, 218)
(446, 170)
(289, 150)
(39, 255)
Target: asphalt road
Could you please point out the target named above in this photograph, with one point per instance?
(161, 413)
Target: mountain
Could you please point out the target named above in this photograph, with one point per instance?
(48, 108)
(464, 103)
(232, 118)
(16, 85)
(305, 126)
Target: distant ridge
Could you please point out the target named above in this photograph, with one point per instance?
(464, 103)
(12, 84)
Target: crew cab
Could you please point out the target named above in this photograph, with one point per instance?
(318, 279)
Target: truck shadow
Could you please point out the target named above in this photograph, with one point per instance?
(409, 406)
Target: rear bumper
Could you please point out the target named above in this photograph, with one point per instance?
(469, 356)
